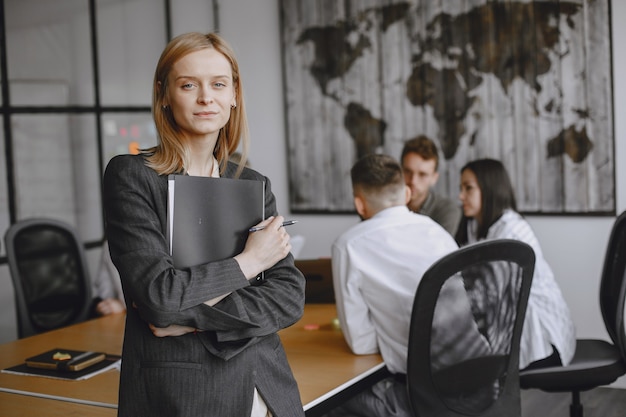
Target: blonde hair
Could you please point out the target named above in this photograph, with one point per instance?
(172, 153)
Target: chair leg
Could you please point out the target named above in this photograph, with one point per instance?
(576, 408)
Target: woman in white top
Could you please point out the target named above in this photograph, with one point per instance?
(489, 212)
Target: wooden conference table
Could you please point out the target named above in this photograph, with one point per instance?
(323, 365)
(325, 368)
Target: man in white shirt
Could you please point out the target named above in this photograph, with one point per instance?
(377, 266)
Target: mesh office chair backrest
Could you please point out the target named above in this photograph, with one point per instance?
(613, 284)
(465, 332)
(49, 273)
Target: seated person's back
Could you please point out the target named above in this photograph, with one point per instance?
(377, 266)
(107, 287)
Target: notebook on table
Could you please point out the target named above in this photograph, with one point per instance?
(66, 364)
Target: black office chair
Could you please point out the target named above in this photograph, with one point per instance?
(49, 273)
(596, 362)
(466, 325)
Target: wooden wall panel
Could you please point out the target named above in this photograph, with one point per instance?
(526, 82)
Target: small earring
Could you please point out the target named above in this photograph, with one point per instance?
(164, 107)
(234, 105)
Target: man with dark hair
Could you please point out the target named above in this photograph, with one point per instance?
(420, 164)
(377, 266)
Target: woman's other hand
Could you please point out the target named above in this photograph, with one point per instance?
(171, 330)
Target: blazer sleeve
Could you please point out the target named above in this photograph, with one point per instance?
(135, 200)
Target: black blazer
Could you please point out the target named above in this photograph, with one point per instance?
(210, 373)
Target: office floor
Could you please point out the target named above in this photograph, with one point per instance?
(599, 402)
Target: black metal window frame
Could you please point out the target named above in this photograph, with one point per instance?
(7, 110)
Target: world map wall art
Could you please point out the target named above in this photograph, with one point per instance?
(525, 82)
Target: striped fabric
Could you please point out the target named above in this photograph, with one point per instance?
(548, 320)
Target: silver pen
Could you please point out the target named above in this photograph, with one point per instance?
(285, 223)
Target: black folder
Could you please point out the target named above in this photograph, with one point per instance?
(209, 217)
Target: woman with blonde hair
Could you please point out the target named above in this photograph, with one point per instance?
(199, 341)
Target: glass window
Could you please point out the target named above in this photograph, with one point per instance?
(4, 202)
(8, 329)
(124, 133)
(87, 176)
(56, 170)
(49, 42)
(131, 37)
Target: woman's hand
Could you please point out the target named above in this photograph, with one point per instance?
(171, 330)
(264, 248)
